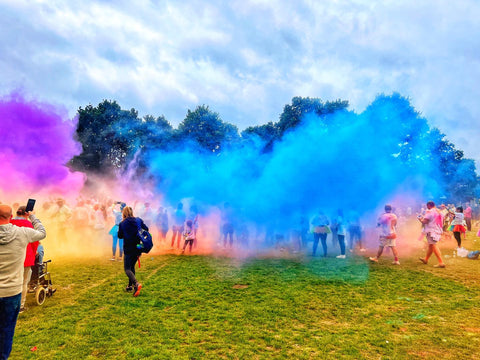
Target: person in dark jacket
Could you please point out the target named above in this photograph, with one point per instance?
(128, 230)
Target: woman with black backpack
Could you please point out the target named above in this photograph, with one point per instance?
(128, 231)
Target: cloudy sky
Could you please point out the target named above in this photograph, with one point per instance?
(246, 59)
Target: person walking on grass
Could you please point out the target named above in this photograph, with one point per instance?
(355, 232)
(178, 225)
(188, 235)
(432, 222)
(13, 245)
(468, 217)
(320, 227)
(387, 223)
(117, 213)
(128, 231)
(458, 224)
(161, 222)
(341, 232)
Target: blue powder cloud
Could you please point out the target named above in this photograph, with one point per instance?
(345, 160)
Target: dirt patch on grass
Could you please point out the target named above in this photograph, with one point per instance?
(472, 329)
(240, 286)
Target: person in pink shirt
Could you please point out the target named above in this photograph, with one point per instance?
(387, 223)
(467, 213)
(433, 223)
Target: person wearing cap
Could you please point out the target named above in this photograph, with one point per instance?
(13, 245)
(22, 220)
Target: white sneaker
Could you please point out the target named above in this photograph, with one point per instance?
(341, 257)
(363, 250)
(373, 259)
(112, 259)
(396, 263)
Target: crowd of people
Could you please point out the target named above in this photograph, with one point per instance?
(93, 219)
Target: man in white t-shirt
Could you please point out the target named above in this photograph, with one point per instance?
(387, 223)
(433, 224)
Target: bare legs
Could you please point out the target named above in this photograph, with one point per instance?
(433, 249)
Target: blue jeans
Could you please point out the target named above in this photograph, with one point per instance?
(114, 245)
(323, 238)
(341, 241)
(9, 308)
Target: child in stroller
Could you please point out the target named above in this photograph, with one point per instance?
(41, 280)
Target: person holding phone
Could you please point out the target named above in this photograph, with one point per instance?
(21, 220)
(13, 243)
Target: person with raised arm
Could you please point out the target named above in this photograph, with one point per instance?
(13, 247)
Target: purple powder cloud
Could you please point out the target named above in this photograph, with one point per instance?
(36, 142)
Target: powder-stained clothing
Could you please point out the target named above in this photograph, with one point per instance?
(13, 245)
(320, 223)
(339, 222)
(189, 233)
(386, 222)
(459, 219)
(434, 226)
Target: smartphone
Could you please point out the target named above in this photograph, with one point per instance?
(30, 205)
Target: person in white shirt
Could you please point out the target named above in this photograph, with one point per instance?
(459, 226)
(433, 229)
(387, 223)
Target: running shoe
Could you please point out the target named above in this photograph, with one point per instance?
(136, 289)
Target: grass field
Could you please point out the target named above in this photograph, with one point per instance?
(215, 307)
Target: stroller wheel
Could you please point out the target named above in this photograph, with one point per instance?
(40, 295)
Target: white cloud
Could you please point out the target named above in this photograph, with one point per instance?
(247, 58)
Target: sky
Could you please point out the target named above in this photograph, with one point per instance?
(247, 59)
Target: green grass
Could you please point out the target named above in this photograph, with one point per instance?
(205, 307)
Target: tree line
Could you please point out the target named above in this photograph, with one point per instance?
(112, 137)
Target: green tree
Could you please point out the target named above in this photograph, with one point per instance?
(293, 114)
(207, 129)
(291, 117)
(110, 136)
(267, 133)
(409, 139)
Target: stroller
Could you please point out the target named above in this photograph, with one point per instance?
(41, 282)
